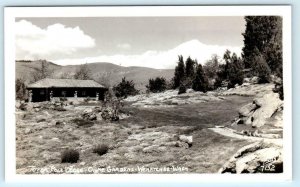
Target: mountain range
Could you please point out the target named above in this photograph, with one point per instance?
(102, 72)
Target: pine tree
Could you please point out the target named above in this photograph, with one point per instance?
(235, 71)
(190, 67)
(179, 74)
(265, 34)
(125, 88)
(200, 83)
(260, 67)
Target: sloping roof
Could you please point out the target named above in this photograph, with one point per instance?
(65, 83)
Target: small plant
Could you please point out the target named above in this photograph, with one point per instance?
(70, 156)
(59, 108)
(182, 89)
(63, 99)
(100, 149)
(86, 100)
(82, 122)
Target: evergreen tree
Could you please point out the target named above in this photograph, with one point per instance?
(200, 83)
(125, 88)
(190, 67)
(179, 74)
(260, 67)
(265, 34)
(235, 71)
(211, 67)
(158, 84)
(227, 59)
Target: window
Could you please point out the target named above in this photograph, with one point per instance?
(42, 92)
(63, 93)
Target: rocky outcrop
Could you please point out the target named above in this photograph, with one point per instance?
(259, 157)
(257, 114)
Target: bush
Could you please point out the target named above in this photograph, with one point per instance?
(279, 89)
(87, 99)
(59, 108)
(182, 89)
(82, 122)
(62, 99)
(21, 92)
(101, 149)
(70, 156)
(159, 84)
(125, 88)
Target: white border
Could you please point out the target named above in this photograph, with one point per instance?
(11, 13)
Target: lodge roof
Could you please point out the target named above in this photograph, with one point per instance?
(65, 83)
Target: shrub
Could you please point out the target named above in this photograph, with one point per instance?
(182, 89)
(21, 92)
(82, 122)
(70, 156)
(101, 149)
(86, 100)
(59, 108)
(125, 88)
(159, 84)
(279, 89)
(63, 99)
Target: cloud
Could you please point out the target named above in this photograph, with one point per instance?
(33, 42)
(160, 59)
(124, 46)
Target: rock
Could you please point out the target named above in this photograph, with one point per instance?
(88, 110)
(254, 80)
(36, 109)
(28, 131)
(76, 102)
(154, 148)
(245, 84)
(55, 139)
(18, 104)
(40, 120)
(269, 105)
(182, 144)
(190, 91)
(246, 110)
(259, 157)
(186, 139)
(246, 80)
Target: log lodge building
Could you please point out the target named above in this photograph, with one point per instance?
(71, 89)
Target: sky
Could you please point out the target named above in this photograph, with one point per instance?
(152, 42)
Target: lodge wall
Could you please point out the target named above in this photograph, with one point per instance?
(45, 94)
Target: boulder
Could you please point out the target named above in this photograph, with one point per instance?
(254, 80)
(28, 131)
(269, 104)
(154, 148)
(246, 110)
(259, 157)
(186, 139)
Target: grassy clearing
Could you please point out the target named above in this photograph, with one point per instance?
(148, 138)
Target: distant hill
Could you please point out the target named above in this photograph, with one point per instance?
(102, 72)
